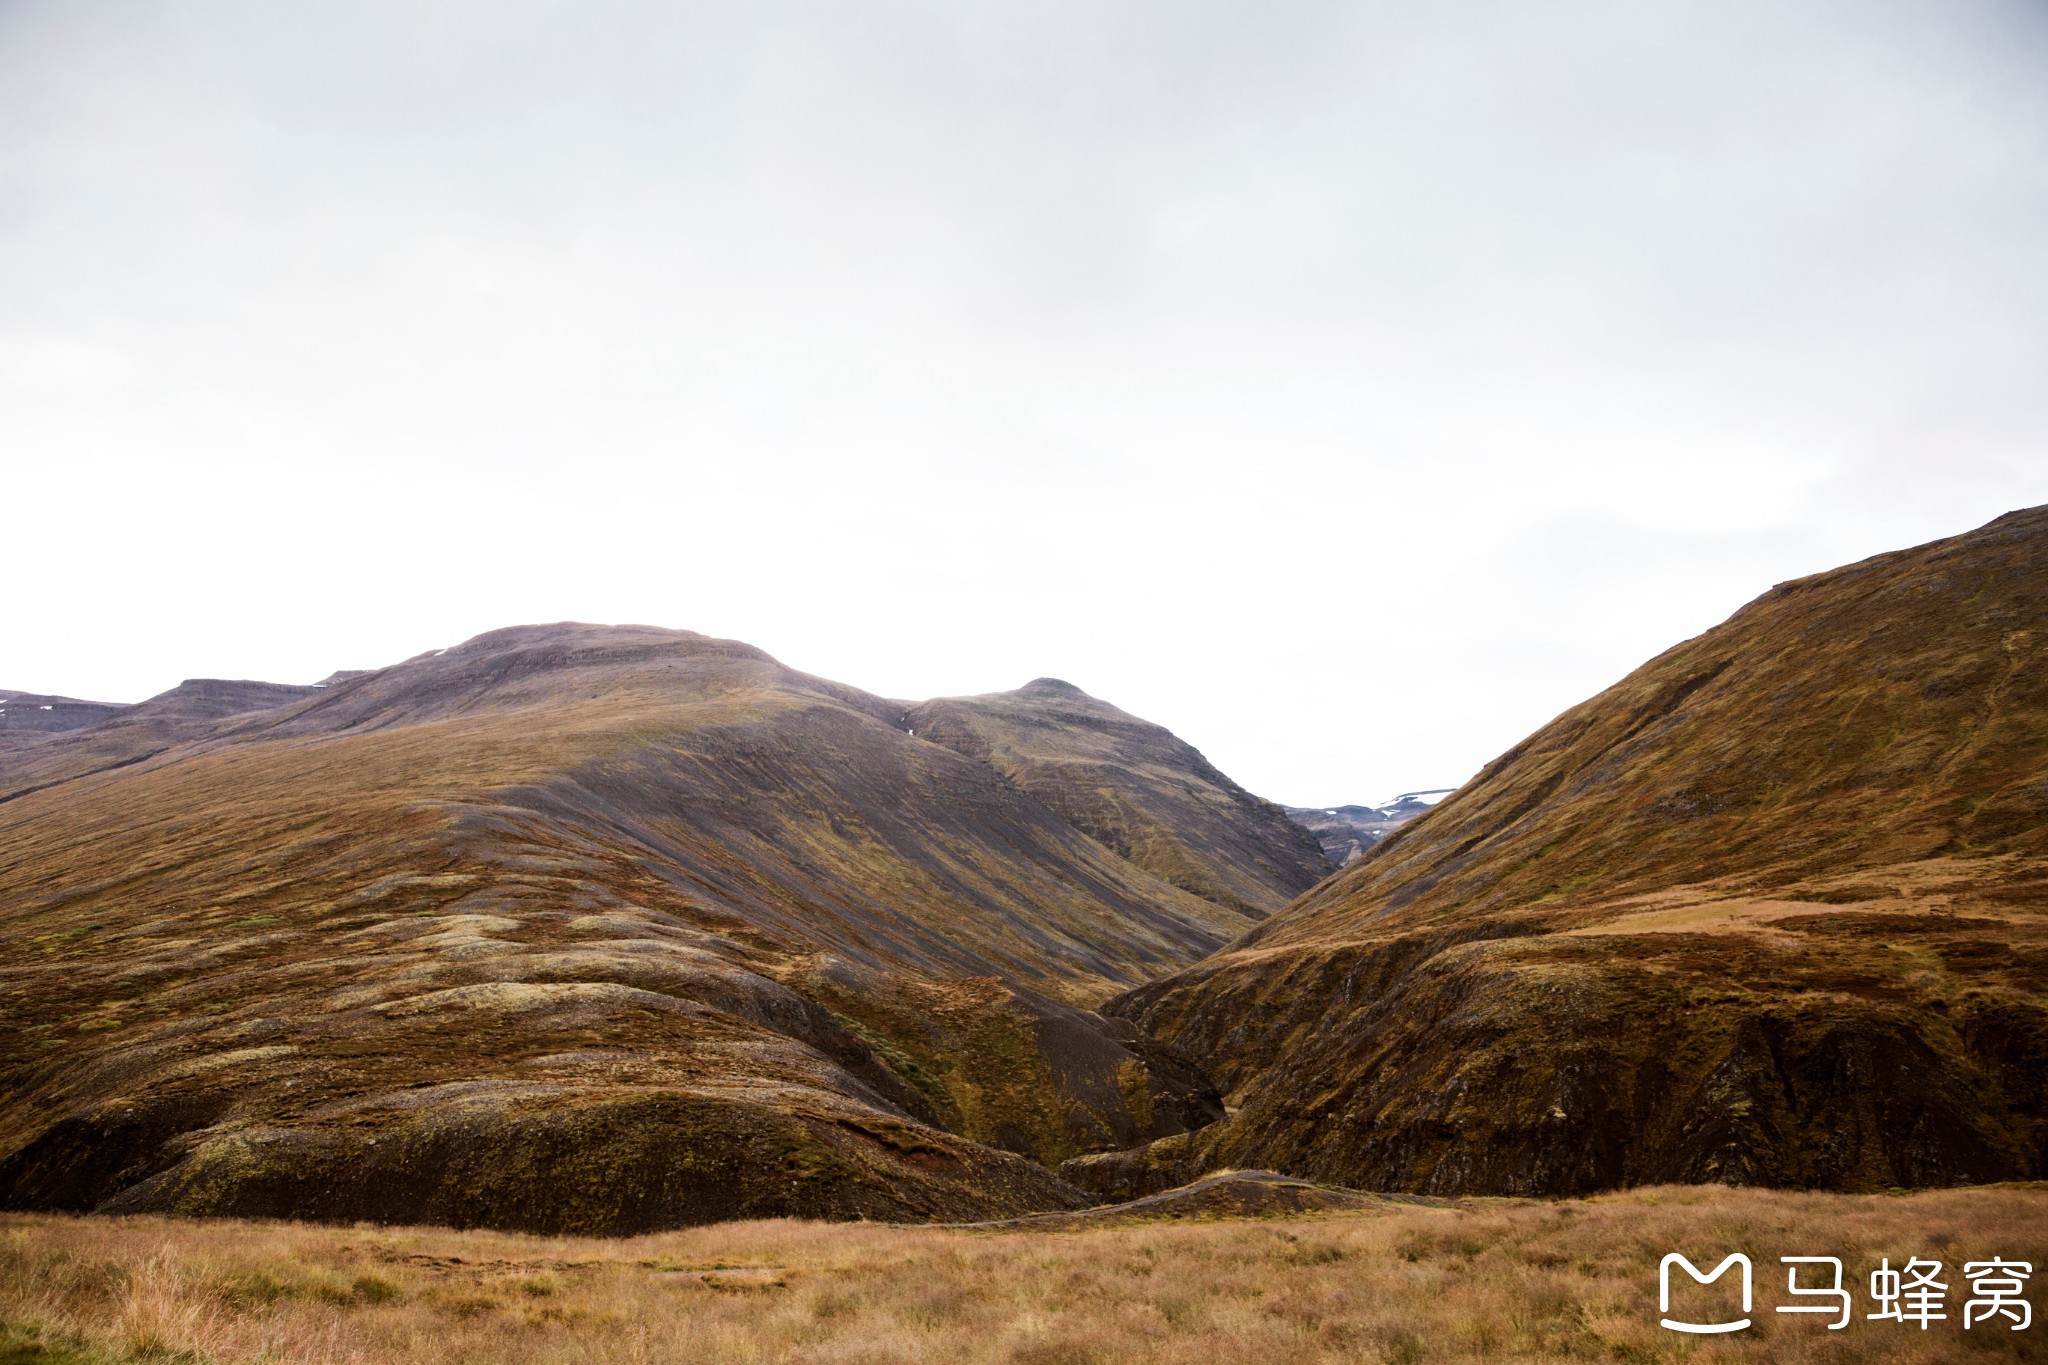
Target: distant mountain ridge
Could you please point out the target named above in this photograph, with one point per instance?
(47, 740)
(193, 699)
(33, 713)
(1345, 833)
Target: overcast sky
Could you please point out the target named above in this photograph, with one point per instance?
(1349, 386)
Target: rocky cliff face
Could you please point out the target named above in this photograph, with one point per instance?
(1773, 909)
(589, 928)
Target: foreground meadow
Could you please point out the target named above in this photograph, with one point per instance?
(1485, 1280)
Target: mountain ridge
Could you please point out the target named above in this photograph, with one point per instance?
(706, 936)
(1134, 787)
(583, 928)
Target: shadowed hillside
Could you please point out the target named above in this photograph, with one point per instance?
(570, 927)
(1773, 909)
(26, 713)
(1136, 787)
(41, 745)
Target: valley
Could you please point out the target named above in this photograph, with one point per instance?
(575, 931)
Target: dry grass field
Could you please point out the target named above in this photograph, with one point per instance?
(1482, 1280)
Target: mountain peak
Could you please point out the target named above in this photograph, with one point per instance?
(1057, 687)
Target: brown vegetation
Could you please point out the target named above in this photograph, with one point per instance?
(1482, 1280)
(601, 930)
(1773, 909)
(567, 928)
(1135, 787)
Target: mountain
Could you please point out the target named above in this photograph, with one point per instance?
(601, 929)
(1773, 909)
(1135, 787)
(1346, 832)
(77, 738)
(26, 713)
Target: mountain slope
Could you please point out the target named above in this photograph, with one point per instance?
(89, 737)
(1773, 909)
(27, 713)
(566, 927)
(1135, 787)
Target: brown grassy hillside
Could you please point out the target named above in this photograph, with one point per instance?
(1773, 909)
(568, 928)
(34, 756)
(1136, 787)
